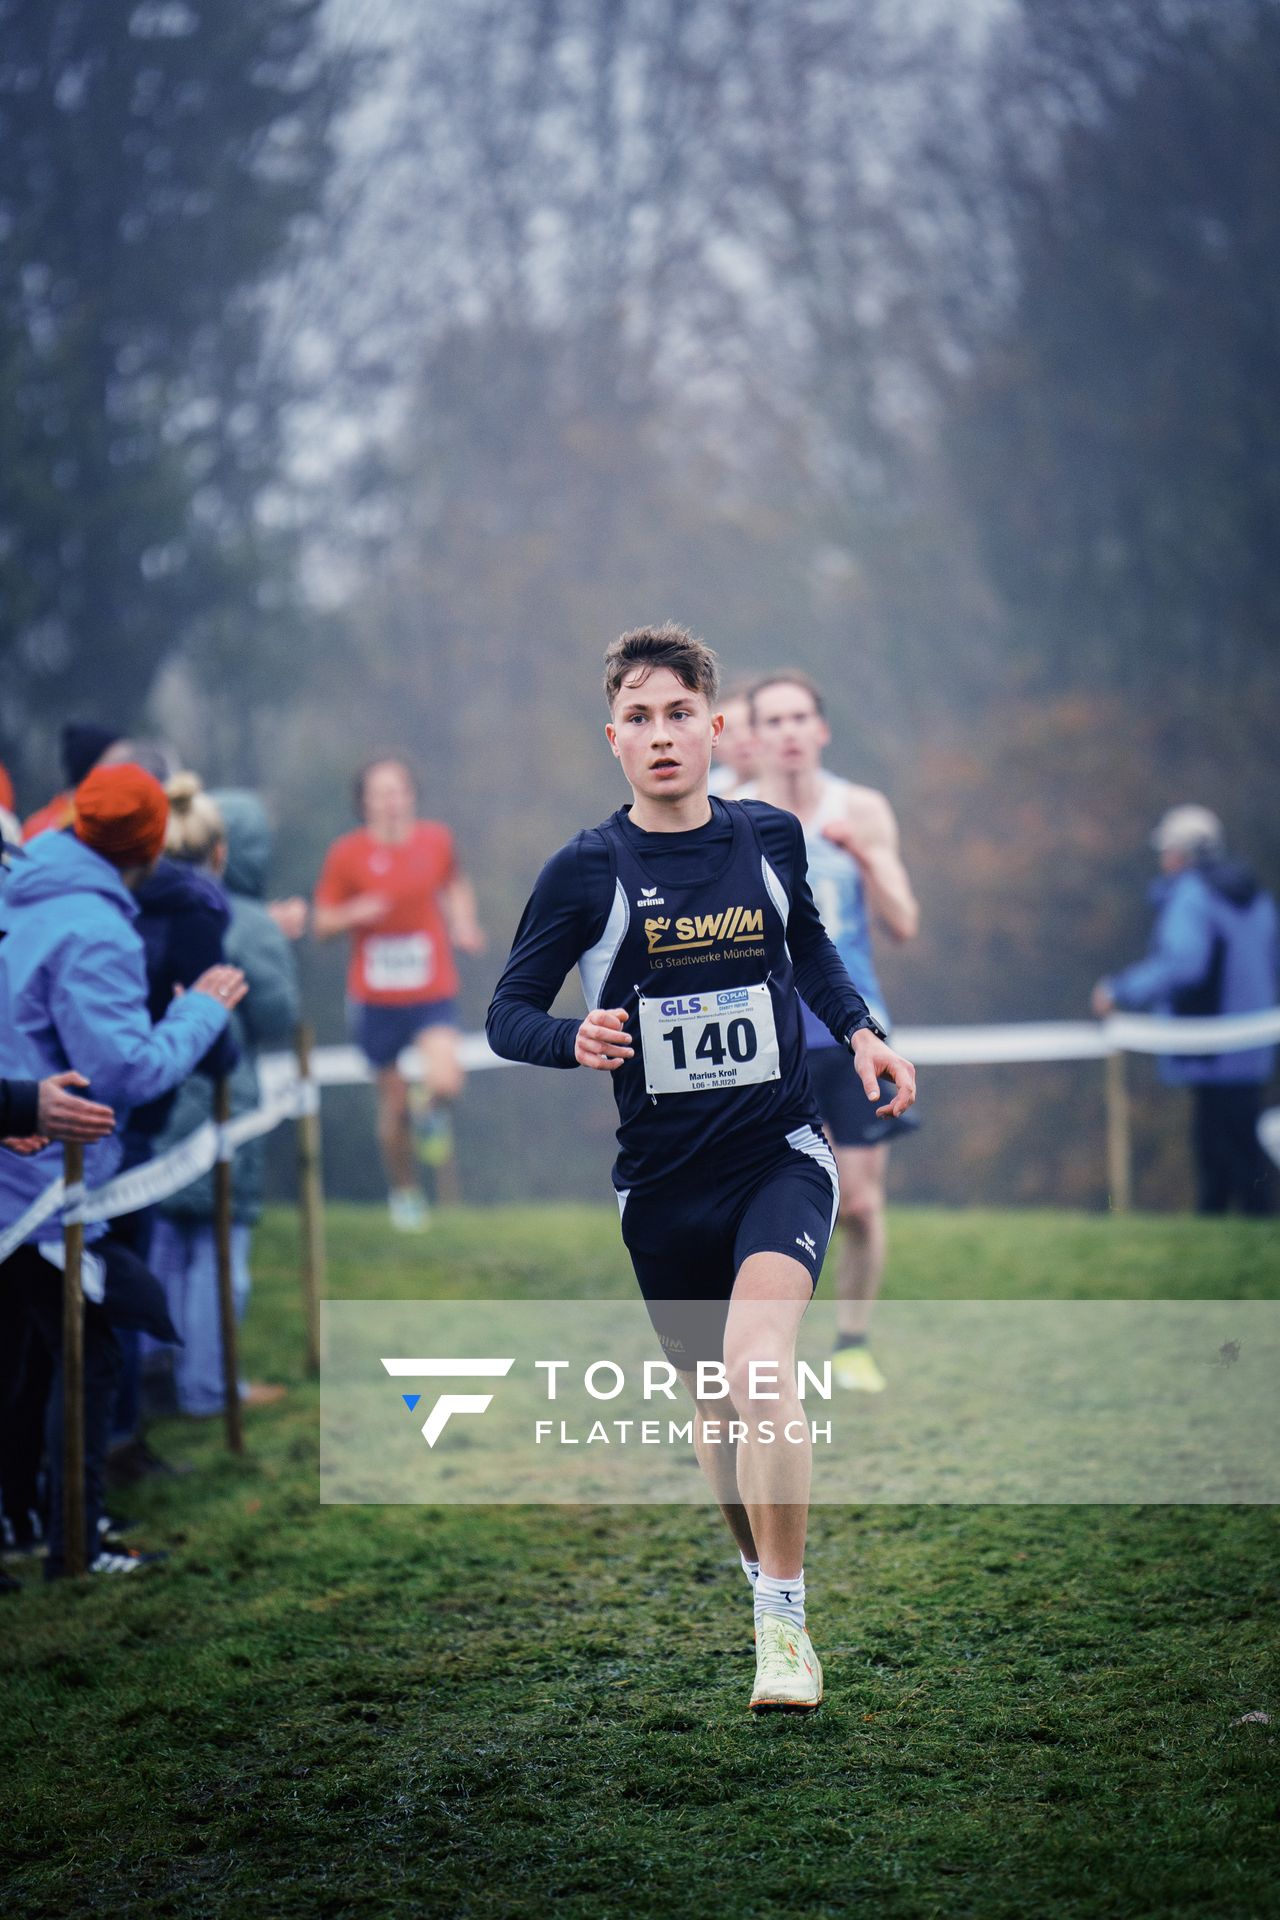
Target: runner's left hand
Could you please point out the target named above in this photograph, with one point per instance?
(876, 1060)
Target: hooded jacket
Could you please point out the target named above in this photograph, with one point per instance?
(266, 1017)
(73, 993)
(183, 917)
(1215, 949)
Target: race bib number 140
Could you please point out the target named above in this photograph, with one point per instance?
(697, 1042)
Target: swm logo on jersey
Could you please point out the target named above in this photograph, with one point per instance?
(704, 929)
(438, 1418)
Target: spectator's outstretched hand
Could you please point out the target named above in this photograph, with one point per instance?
(62, 1115)
(290, 915)
(65, 1116)
(226, 985)
(34, 1143)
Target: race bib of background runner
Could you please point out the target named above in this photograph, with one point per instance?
(397, 962)
(696, 1042)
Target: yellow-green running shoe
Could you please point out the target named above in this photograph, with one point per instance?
(788, 1674)
(432, 1131)
(854, 1368)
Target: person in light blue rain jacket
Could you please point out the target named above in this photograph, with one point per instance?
(228, 835)
(73, 994)
(1214, 949)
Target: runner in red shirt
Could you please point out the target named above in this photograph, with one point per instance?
(395, 887)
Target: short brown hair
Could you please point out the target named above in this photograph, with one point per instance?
(379, 760)
(792, 677)
(691, 661)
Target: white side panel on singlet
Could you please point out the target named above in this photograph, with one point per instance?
(777, 892)
(595, 964)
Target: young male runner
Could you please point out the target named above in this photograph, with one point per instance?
(856, 873)
(734, 760)
(671, 908)
(395, 887)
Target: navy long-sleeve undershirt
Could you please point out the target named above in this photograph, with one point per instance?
(567, 910)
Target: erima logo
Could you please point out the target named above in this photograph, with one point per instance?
(703, 929)
(438, 1418)
(806, 1240)
(650, 897)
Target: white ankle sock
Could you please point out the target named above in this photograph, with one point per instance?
(781, 1596)
(750, 1567)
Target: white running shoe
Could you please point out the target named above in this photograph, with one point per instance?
(124, 1560)
(408, 1210)
(788, 1673)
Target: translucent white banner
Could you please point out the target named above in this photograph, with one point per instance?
(1004, 1402)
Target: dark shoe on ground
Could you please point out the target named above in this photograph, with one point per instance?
(134, 1460)
(8, 1584)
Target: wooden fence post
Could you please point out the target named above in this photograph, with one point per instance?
(1119, 1151)
(226, 1288)
(73, 1516)
(311, 1204)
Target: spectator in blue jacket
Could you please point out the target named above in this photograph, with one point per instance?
(73, 994)
(229, 835)
(183, 917)
(1214, 950)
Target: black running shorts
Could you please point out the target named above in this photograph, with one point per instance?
(687, 1242)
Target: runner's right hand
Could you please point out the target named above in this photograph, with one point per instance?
(600, 1041)
(367, 909)
(226, 985)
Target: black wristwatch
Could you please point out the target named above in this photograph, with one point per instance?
(868, 1025)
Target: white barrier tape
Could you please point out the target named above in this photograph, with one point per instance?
(155, 1179)
(260, 1120)
(73, 1200)
(1032, 1040)
(979, 1046)
(1226, 1033)
(35, 1216)
(143, 1186)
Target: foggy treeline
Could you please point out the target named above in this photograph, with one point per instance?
(932, 349)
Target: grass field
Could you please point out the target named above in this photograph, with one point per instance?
(506, 1711)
